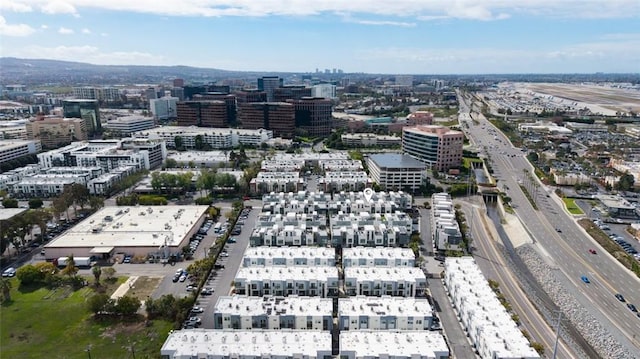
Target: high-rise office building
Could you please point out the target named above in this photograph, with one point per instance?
(88, 110)
(276, 116)
(229, 100)
(54, 131)
(178, 82)
(438, 146)
(164, 108)
(324, 90)
(291, 92)
(268, 84)
(202, 113)
(313, 115)
(246, 96)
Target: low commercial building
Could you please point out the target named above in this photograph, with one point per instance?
(130, 124)
(377, 281)
(136, 231)
(489, 326)
(285, 281)
(384, 313)
(370, 140)
(379, 344)
(199, 158)
(266, 256)
(378, 257)
(247, 344)
(396, 172)
(273, 312)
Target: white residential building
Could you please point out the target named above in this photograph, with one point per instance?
(371, 229)
(284, 281)
(265, 256)
(281, 166)
(380, 344)
(378, 257)
(215, 138)
(341, 165)
(12, 149)
(488, 325)
(129, 124)
(269, 312)
(247, 344)
(344, 181)
(377, 281)
(267, 182)
(384, 313)
(445, 229)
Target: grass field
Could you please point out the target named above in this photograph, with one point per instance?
(570, 203)
(44, 323)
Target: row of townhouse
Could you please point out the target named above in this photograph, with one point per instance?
(446, 230)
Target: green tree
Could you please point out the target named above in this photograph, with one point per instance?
(35, 203)
(178, 141)
(71, 268)
(109, 272)
(98, 303)
(28, 274)
(79, 194)
(97, 272)
(10, 203)
(96, 202)
(127, 305)
(5, 288)
(199, 142)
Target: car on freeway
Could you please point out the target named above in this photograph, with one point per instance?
(632, 307)
(592, 251)
(619, 297)
(197, 309)
(9, 272)
(558, 230)
(585, 279)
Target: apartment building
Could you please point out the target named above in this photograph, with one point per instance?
(384, 313)
(381, 344)
(489, 326)
(214, 138)
(273, 312)
(378, 257)
(378, 281)
(446, 234)
(16, 175)
(266, 182)
(267, 256)
(371, 229)
(295, 234)
(335, 181)
(338, 165)
(129, 124)
(281, 166)
(437, 146)
(285, 281)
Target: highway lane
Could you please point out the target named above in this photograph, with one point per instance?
(491, 262)
(566, 251)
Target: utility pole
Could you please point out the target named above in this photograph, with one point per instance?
(555, 346)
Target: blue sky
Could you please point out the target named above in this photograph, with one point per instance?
(393, 37)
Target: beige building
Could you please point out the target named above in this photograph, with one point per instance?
(56, 131)
(438, 146)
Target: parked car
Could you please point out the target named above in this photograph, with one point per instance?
(197, 309)
(224, 254)
(191, 288)
(207, 291)
(9, 272)
(232, 240)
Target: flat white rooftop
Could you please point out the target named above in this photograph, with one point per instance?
(6, 213)
(289, 252)
(396, 344)
(281, 343)
(269, 305)
(384, 306)
(378, 252)
(132, 227)
(275, 273)
(384, 274)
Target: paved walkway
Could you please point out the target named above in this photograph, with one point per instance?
(124, 287)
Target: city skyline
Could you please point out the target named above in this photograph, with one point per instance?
(400, 37)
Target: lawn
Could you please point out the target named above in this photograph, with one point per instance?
(570, 203)
(44, 323)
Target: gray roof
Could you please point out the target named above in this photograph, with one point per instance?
(396, 160)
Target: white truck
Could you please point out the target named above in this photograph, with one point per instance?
(81, 262)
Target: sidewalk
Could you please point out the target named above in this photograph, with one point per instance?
(124, 287)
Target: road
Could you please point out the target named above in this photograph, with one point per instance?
(567, 250)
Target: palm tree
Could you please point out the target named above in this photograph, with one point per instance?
(97, 271)
(5, 288)
(71, 268)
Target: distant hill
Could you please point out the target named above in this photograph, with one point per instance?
(39, 71)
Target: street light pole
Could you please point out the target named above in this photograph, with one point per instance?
(555, 346)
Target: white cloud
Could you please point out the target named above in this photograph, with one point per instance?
(59, 7)
(104, 34)
(435, 9)
(14, 6)
(65, 31)
(88, 54)
(385, 23)
(86, 31)
(14, 30)
(44, 26)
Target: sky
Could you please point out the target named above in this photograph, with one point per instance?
(369, 36)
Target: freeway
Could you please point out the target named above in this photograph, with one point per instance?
(564, 243)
